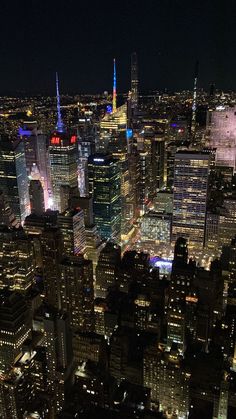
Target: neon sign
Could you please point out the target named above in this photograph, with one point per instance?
(55, 140)
(73, 139)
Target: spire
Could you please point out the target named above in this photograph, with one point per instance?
(59, 125)
(114, 88)
(194, 105)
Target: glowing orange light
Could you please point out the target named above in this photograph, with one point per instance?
(73, 139)
(55, 140)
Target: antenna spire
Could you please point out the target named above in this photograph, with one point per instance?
(59, 125)
(114, 88)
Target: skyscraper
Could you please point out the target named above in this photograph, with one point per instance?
(59, 355)
(107, 269)
(63, 159)
(194, 104)
(221, 134)
(36, 154)
(76, 292)
(71, 223)
(14, 328)
(13, 176)
(105, 186)
(17, 262)
(134, 82)
(36, 197)
(190, 196)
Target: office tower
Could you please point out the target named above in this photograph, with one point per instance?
(118, 148)
(157, 164)
(112, 125)
(190, 196)
(7, 217)
(155, 228)
(163, 202)
(86, 204)
(181, 285)
(59, 356)
(114, 87)
(176, 325)
(14, 391)
(88, 347)
(87, 142)
(221, 134)
(15, 328)
(143, 181)
(76, 292)
(134, 83)
(63, 159)
(17, 262)
(71, 223)
(63, 164)
(104, 185)
(36, 154)
(212, 229)
(180, 252)
(13, 177)
(107, 269)
(227, 221)
(36, 197)
(194, 104)
(165, 375)
(52, 251)
(100, 308)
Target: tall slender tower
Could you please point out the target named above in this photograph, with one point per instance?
(194, 105)
(134, 82)
(114, 87)
(59, 125)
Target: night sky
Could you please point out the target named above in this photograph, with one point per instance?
(80, 38)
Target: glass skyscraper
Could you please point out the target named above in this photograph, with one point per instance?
(13, 177)
(63, 164)
(190, 196)
(105, 185)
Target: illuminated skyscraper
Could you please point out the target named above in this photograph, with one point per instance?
(16, 259)
(14, 328)
(190, 196)
(71, 223)
(36, 154)
(194, 104)
(76, 292)
(107, 269)
(105, 186)
(164, 374)
(134, 82)
(63, 159)
(52, 248)
(59, 355)
(13, 177)
(221, 134)
(63, 164)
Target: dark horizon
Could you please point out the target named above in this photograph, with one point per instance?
(80, 40)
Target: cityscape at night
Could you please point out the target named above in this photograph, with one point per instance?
(117, 210)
